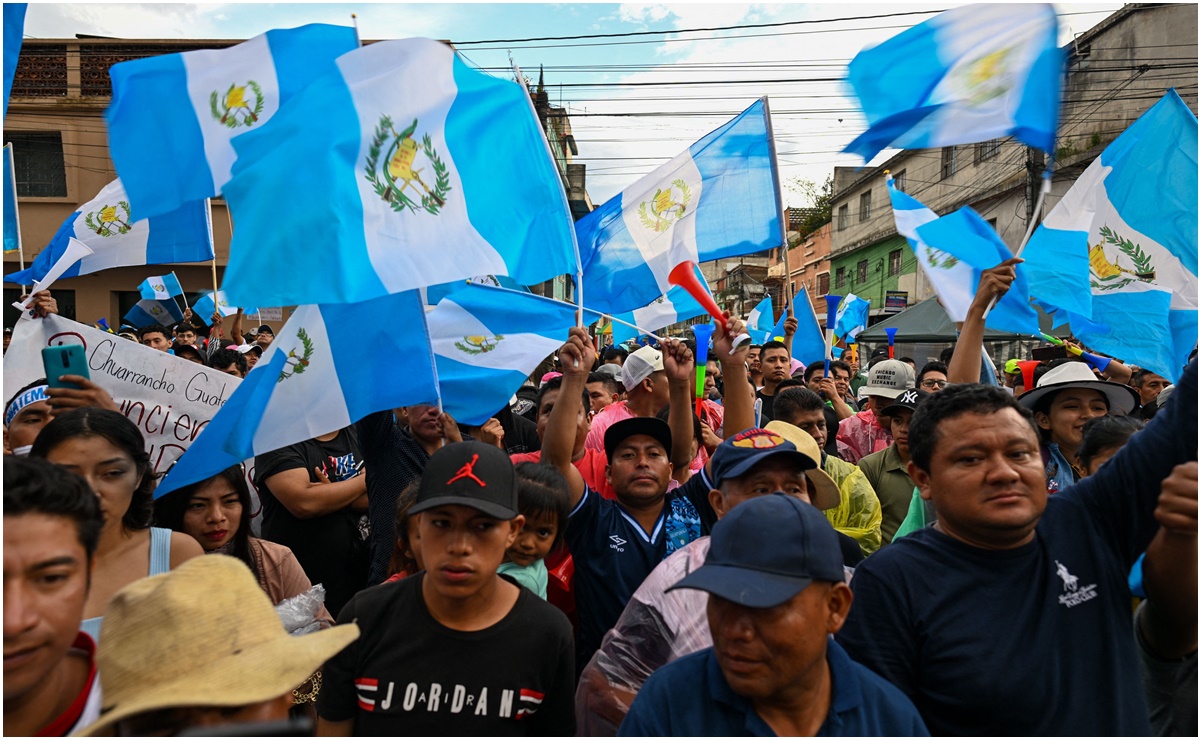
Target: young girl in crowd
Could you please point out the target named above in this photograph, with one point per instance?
(1103, 437)
(542, 499)
(107, 450)
(406, 558)
(216, 513)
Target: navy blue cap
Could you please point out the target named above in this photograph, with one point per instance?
(766, 551)
(651, 426)
(735, 456)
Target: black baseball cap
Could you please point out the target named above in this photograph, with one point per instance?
(766, 551)
(649, 425)
(909, 400)
(469, 474)
(264, 328)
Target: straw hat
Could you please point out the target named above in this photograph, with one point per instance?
(204, 634)
(1121, 398)
(828, 495)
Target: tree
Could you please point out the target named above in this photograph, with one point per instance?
(816, 212)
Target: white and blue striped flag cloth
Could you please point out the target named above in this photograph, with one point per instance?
(317, 378)
(851, 317)
(677, 305)
(107, 226)
(488, 340)
(161, 287)
(150, 311)
(1117, 256)
(402, 169)
(173, 116)
(969, 74)
(717, 199)
(210, 303)
(950, 276)
(759, 322)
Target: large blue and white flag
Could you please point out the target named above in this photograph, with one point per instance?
(14, 32)
(851, 317)
(969, 238)
(951, 278)
(417, 170)
(151, 312)
(677, 305)
(161, 287)
(1118, 254)
(969, 74)
(808, 344)
(173, 116)
(210, 303)
(717, 199)
(106, 225)
(316, 378)
(488, 340)
(759, 322)
(12, 223)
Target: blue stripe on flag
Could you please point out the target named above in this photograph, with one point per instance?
(14, 32)
(808, 344)
(302, 54)
(472, 395)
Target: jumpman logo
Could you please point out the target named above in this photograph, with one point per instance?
(466, 472)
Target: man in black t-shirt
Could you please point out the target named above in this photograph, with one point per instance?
(455, 649)
(313, 496)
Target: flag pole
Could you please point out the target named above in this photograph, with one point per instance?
(1043, 190)
(639, 329)
(213, 242)
(775, 177)
(354, 21)
(16, 211)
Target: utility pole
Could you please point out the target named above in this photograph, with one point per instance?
(1034, 171)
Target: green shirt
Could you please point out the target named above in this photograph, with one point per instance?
(889, 477)
(531, 576)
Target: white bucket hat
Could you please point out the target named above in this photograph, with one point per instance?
(1121, 398)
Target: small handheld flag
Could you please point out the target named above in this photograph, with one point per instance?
(831, 313)
(161, 287)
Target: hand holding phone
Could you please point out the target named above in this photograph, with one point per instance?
(65, 359)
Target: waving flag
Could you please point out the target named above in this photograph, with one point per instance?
(210, 303)
(173, 117)
(14, 32)
(1118, 254)
(106, 224)
(486, 343)
(677, 305)
(759, 321)
(12, 223)
(808, 344)
(717, 199)
(969, 74)
(417, 170)
(435, 293)
(161, 288)
(317, 378)
(851, 317)
(149, 312)
(967, 237)
(951, 278)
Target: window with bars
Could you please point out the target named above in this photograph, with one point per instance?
(823, 283)
(38, 165)
(948, 161)
(865, 206)
(840, 277)
(861, 269)
(894, 262)
(987, 150)
(844, 217)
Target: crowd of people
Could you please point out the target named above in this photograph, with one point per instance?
(902, 548)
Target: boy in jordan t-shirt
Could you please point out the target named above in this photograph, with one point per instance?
(455, 649)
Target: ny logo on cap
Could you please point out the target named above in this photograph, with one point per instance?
(466, 472)
(908, 397)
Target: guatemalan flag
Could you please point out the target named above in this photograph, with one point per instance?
(211, 302)
(950, 276)
(1117, 256)
(108, 226)
(402, 169)
(486, 343)
(717, 199)
(317, 378)
(173, 117)
(161, 287)
(851, 317)
(969, 74)
(676, 305)
(759, 321)
(808, 344)
(154, 312)
(14, 33)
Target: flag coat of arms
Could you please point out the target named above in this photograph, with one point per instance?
(151, 312)
(317, 378)
(173, 117)
(210, 303)
(969, 74)
(107, 224)
(488, 340)
(951, 277)
(1117, 256)
(417, 170)
(716, 199)
(161, 287)
(851, 317)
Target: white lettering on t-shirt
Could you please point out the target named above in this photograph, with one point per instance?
(435, 695)
(506, 703)
(410, 697)
(456, 704)
(481, 706)
(387, 702)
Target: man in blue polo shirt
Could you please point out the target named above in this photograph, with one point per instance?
(616, 544)
(774, 575)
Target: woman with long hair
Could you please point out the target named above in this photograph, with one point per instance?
(107, 450)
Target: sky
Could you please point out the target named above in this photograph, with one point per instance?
(712, 75)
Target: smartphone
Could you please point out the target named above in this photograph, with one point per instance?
(65, 359)
(1046, 354)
